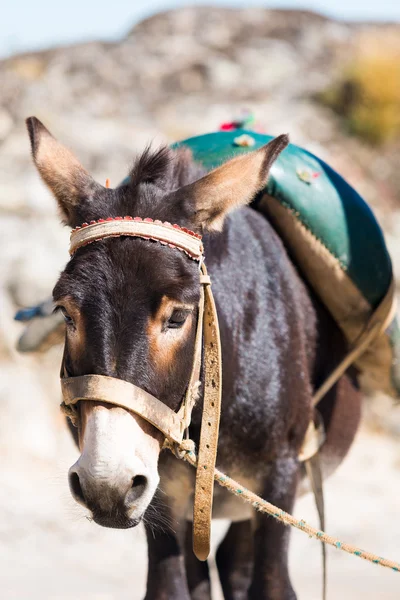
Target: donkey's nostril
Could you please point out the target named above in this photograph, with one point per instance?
(139, 484)
(76, 488)
(139, 480)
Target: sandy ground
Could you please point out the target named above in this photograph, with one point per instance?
(49, 550)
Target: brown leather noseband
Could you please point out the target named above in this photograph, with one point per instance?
(173, 425)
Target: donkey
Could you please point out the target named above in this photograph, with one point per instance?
(130, 307)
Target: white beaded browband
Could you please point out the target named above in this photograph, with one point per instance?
(173, 236)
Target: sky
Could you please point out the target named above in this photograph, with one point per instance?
(36, 24)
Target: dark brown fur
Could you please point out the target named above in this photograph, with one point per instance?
(278, 345)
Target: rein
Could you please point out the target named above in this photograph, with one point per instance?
(173, 425)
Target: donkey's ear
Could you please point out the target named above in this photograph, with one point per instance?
(60, 170)
(234, 184)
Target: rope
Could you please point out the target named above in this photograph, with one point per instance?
(188, 453)
(71, 412)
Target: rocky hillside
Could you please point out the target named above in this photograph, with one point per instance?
(174, 75)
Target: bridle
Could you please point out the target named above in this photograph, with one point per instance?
(173, 425)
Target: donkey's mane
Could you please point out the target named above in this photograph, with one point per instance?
(149, 191)
(165, 168)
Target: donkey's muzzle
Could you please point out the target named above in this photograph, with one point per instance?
(117, 505)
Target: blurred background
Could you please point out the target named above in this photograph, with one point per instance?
(106, 79)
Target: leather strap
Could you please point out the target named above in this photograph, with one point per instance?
(207, 452)
(194, 382)
(377, 324)
(379, 321)
(165, 233)
(122, 393)
(314, 438)
(313, 469)
(173, 425)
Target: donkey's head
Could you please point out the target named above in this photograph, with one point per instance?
(130, 305)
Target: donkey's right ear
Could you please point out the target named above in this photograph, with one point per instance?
(61, 171)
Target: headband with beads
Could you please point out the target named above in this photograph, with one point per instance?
(173, 236)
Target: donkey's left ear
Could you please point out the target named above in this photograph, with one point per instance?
(234, 184)
(61, 171)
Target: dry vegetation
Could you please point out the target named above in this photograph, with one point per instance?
(367, 94)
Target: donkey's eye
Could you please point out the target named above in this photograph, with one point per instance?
(177, 319)
(67, 318)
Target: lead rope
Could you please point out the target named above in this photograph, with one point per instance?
(88, 387)
(263, 506)
(378, 322)
(314, 472)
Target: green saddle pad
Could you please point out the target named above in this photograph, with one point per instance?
(333, 237)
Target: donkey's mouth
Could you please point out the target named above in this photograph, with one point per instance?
(115, 521)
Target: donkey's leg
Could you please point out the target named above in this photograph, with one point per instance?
(197, 571)
(166, 578)
(235, 560)
(271, 538)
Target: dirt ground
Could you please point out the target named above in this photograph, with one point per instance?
(49, 550)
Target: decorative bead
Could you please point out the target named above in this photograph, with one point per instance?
(230, 126)
(245, 140)
(307, 175)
